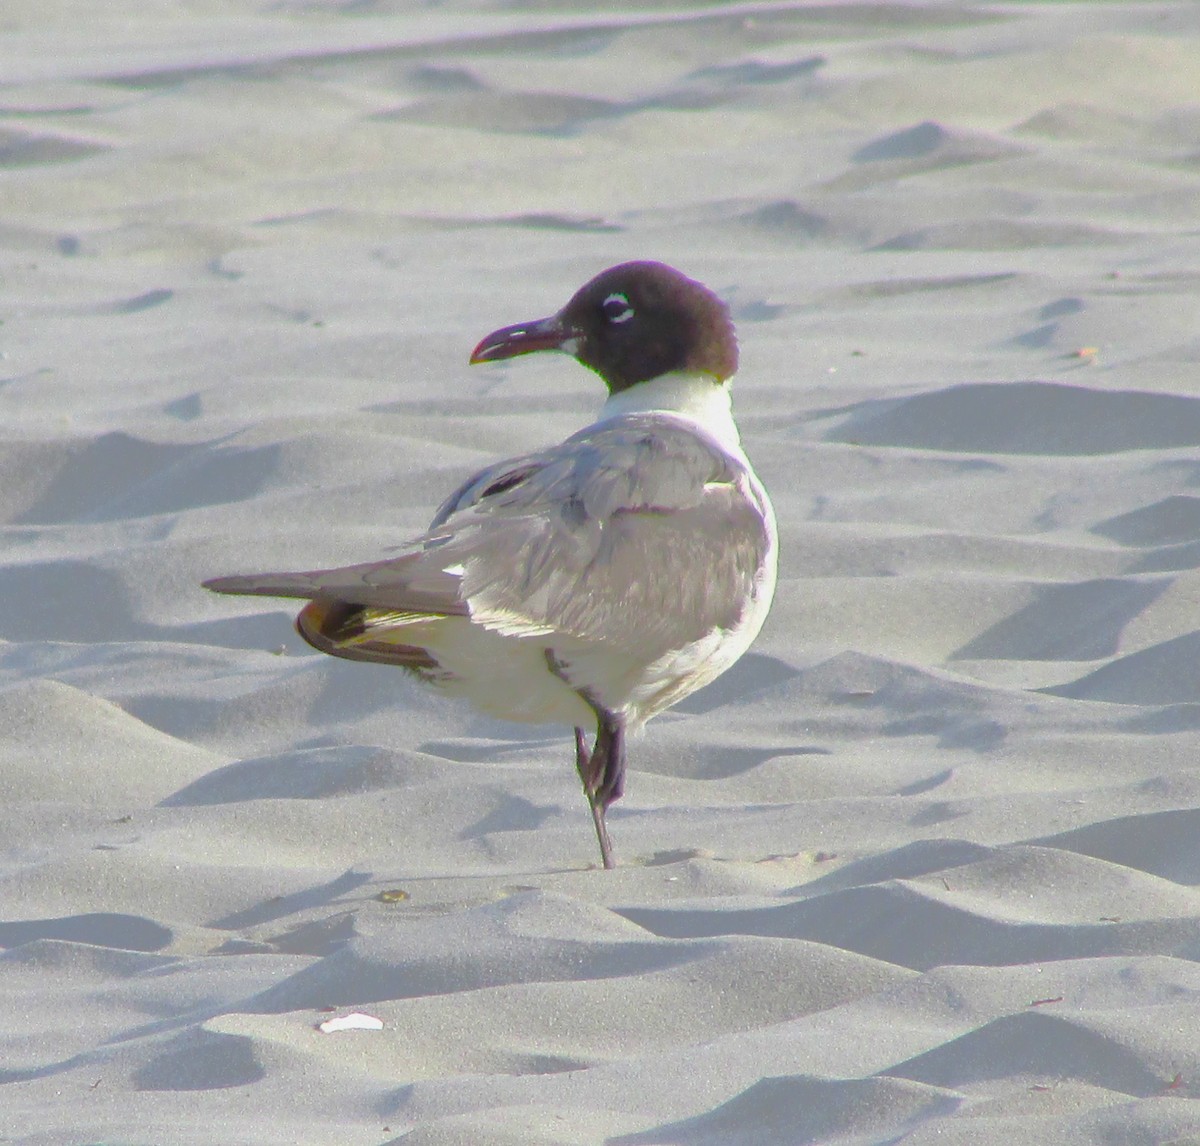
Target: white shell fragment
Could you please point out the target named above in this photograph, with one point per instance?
(355, 1021)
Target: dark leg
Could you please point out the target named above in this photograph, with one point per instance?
(584, 765)
(583, 760)
(603, 773)
(610, 771)
(602, 770)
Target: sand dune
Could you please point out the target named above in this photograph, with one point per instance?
(923, 867)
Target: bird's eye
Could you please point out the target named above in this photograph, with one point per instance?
(616, 308)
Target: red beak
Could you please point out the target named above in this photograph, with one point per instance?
(524, 338)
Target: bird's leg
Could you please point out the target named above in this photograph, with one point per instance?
(586, 763)
(602, 769)
(583, 760)
(606, 769)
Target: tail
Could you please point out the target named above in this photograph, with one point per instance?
(356, 612)
(303, 585)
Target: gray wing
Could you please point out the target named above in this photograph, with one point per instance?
(640, 532)
(404, 584)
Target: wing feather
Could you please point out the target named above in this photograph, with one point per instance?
(602, 536)
(599, 538)
(405, 584)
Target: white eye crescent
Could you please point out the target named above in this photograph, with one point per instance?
(616, 308)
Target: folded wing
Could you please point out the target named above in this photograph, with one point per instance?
(597, 539)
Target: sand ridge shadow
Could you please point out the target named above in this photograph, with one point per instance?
(1024, 418)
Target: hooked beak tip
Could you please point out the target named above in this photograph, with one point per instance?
(524, 338)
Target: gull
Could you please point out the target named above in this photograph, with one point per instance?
(599, 581)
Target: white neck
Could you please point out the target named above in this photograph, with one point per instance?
(697, 397)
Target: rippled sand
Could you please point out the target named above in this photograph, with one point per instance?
(922, 868)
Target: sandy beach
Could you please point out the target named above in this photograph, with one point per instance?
(922, 868)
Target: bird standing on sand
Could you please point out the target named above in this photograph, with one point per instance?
(597, 582)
